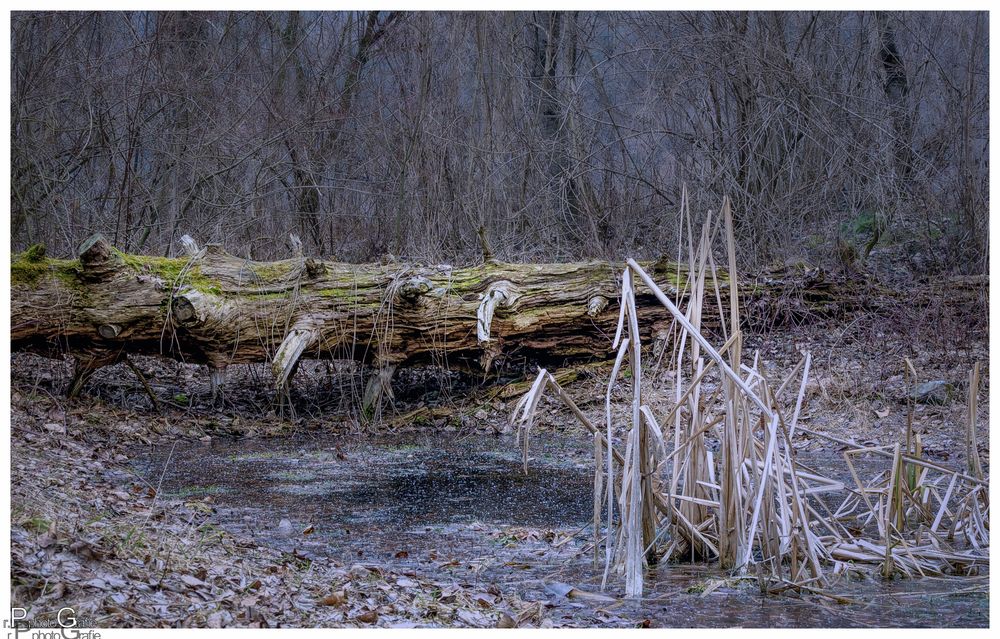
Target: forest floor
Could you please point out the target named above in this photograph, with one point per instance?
(90, 531)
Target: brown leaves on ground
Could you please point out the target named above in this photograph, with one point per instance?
(89, 533)
(338, 598)
(369, 616)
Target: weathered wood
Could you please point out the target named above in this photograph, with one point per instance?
(85, 364)
(145, 384)
(213, 308)
(189, 244)
(217, 381)
(295, 244)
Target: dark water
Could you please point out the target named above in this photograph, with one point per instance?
(463, 509)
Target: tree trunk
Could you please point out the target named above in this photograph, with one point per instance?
(897, 88)
(216, 309)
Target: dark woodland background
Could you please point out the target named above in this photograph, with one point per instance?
(565, 135)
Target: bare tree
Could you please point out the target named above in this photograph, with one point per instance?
(562, 135)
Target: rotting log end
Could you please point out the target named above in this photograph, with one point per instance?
(596, 305)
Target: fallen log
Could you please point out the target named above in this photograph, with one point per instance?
(217, 309)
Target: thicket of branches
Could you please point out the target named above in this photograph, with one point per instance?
(563, 135)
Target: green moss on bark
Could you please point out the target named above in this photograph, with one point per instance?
(30, 267)
(35, 253)
(273, 271)
(172, 270)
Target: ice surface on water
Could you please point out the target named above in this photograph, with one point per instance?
(463, 508)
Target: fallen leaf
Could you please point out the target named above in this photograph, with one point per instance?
(338, 598)
(192, 581)
(472, 618)
(367, 617)
(218, 619)
(484, 600)
(576, 593)
(506, 621)
(558, 588)
(115, 582)
(86, 550)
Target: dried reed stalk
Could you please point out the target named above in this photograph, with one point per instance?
(754, 503)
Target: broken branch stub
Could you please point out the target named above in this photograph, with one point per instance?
(596, 305)
(109, 331)
(414, 287)
(295, 244)
(498, 295)
(216, 379)
(314, 269)
(97, 259)
(286, 359)
(190, 246)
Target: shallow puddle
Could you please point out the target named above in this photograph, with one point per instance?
(461, 509)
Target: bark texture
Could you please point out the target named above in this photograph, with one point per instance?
(214, 308)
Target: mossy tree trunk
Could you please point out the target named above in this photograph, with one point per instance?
(213, 308)
(216, 309)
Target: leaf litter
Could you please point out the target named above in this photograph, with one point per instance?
(89, 533)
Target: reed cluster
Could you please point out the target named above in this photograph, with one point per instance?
(716, 476)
